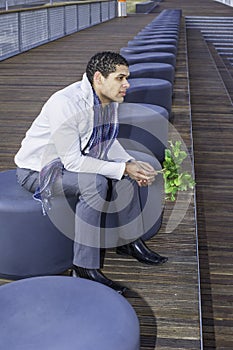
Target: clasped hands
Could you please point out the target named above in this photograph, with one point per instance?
(141, 172)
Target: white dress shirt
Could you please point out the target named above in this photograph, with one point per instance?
(62, 129)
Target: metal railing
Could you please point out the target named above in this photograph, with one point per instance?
(23, 29)
(9, 4)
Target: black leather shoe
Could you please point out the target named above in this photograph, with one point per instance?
(97, 276)
(142, 253)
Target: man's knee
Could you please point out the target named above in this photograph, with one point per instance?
(102, 185)
(93, 185)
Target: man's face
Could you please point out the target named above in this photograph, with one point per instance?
(113, 88)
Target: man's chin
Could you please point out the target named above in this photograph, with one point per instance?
(120, 99)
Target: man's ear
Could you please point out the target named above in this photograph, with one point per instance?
(97, 79)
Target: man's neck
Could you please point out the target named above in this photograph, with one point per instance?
(101, 101)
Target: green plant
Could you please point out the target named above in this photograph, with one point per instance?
(174, 179)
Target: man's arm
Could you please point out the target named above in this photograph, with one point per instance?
(117, 153)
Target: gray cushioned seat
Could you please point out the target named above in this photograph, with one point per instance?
(143, 127)
(30, 244)
(60, 313)
(163, 57)
(161, 29)
(149, 48)
(149, 90)
(162, 25)
(152, 35)
(169, 15)
(152, 70)
(137, 42)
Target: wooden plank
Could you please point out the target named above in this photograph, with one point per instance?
(213, 151)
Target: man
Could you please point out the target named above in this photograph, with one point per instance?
(72, 144)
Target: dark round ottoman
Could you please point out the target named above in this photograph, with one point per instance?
(60, 313)
(152, 70)
(164, 31)
(30, 245)
(149, 48)
(143, 127)
(149, 90)
(163, 27)
(163, 57)
(169, 16)
(152, 35)
(166, 20)
(164, 40)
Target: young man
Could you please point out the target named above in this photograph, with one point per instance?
(73, 142)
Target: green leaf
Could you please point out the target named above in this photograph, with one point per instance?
(178, 182)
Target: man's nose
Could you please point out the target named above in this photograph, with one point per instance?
(126, 84)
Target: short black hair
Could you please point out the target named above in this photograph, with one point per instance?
(104, 62)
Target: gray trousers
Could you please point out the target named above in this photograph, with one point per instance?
(108, 213)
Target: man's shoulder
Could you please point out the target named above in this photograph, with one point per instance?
(76, 91)
(70, 90)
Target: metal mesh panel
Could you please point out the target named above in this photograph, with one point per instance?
(95, 13)
(83, 16)
(34, 29)
(56, 23)
(71, 21)
(104, 11)
(24, 30)
(112, 9)
(17, 2)
(9, 43)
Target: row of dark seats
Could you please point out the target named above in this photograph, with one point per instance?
(152, 60)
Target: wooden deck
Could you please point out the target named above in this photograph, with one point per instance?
(165, 298)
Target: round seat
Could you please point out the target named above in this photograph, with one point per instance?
(163, 57)
(143, 127)
(161, 26)
(30, 245)
(60, 313)
(164, 31)
(173, 20)
(152, 70)
(149, 48)
(149, 90)
(169, 16)
(164, 40)
(152, 35)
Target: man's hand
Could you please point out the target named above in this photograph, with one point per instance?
(142, 172)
